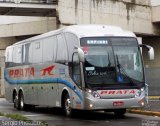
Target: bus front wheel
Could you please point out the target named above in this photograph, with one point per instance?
(67, 105)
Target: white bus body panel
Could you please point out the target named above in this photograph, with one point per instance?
(45, 88)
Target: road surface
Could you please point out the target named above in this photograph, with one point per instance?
(54, 117)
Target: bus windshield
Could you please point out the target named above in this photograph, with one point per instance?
(112, 61)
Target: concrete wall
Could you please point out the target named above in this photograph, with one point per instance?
(155, 14)
(134, 15)
(18, 19)
(27, 27)
(4, 42)
(155, 2)
(13, 26)
(155, 43)
(152, 68)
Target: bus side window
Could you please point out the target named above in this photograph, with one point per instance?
(26, 54)
(72, 41)
(9, 59)
(62, 54)
(35, 52)
(49, 49)
(17, 56)
(76, 72)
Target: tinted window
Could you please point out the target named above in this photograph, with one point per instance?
(72, 41)
(76, 69)
(49, 49)
(26, 54)
(35, 52)
(9, 59)
(124, 41)
(17, 55)
(62, 54)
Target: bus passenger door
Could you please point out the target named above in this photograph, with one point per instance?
(77, 78)
(76, 70)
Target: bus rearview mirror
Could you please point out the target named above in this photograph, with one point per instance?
(150, 51)
(81, 54)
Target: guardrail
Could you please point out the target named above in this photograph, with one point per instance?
(30, 1)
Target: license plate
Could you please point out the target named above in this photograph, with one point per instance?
(118, 103)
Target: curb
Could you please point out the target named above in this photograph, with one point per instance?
(2, 96)
(143, 112)
(154, 97)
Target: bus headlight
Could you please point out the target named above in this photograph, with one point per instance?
(95, 94)
(140, 91)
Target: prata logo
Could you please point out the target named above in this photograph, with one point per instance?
(117, 92)
(30, 72)
(48, 71)
(21, 72)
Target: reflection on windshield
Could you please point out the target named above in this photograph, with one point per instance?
(130, 61)
(117, 61)
(100, 56)
(100, 66)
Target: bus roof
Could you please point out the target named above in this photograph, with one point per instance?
(98, 30)
(85, 31)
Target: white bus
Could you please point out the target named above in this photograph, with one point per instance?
(79, 67)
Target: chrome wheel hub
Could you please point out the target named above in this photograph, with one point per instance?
(68, 106)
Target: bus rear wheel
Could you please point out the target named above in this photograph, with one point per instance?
(15, 101)
(21, 101)
(21, 104)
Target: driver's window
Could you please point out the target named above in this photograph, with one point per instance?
(76, 72)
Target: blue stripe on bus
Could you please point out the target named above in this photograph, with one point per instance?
(45, 80)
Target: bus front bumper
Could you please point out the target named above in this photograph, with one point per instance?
(104, 104)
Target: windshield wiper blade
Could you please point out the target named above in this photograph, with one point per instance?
(120, 67)
(109, 64)
(118, 64)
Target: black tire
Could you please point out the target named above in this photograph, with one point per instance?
(119, 112)
(21, 104)
(15, 101)
(67, 106)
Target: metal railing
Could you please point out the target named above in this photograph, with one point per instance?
(30, 1)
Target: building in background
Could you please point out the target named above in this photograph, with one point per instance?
(20, 19)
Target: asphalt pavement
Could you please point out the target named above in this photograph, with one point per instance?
(53, 117)
(152, 108)
(153, 105)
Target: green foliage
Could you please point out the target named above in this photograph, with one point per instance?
(2, 114)
(17, 117)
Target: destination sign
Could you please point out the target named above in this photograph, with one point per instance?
(97, 42)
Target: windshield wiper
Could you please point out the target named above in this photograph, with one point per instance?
(121, 68)
(109, 64)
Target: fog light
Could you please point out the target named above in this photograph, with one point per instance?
(91, 105)
(142, 89)
(141, 102)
